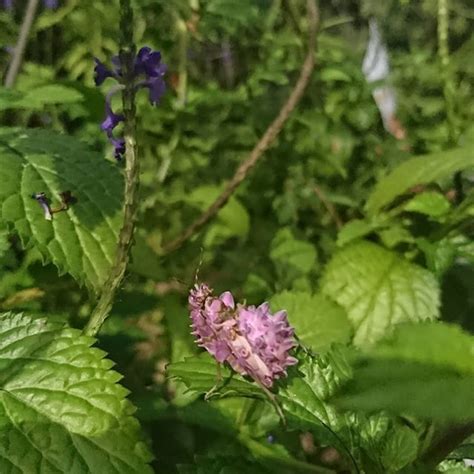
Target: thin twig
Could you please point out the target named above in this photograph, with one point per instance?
(19, 50)
(267, 139)
(132, 174)
(329, 207)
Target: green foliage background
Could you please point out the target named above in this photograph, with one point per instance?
(365, 240)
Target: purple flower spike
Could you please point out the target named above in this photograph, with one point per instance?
(148, 72)
(109, 123)
(111, 119)
(102, 72)
(157, 88)
(148, 62)
(251, 340)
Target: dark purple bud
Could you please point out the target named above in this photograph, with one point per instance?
(8, 4)
(110, 122)
(44, 203)
(119, 147)
(102, 72)
(157, 88)
(148, 62)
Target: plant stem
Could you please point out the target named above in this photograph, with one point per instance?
(18, 52)
(132, 176)
(183, 61)
(443, 52)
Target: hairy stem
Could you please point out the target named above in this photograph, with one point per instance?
(19, 50)
(183, 61)
(443, 52)
(264, 143)
(132, 175)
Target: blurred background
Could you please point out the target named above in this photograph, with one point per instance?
(231, 65)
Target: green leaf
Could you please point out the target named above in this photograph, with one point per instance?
(37, 98)
(306, 400)
(441, 344)
(418, 170)
(430, 203)
(395, 235)
(400, 448)
(439, 255)
(199, 373)
(221, 465)
(303, 395)
(331, 74)
(82, 240)
(232, 220)
(276, 458)
(354, 230)
(379, 289)
(426, 370)
(61, 409)
(318, 321)
(292, 257)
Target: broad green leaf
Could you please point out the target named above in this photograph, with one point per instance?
(199, 373)
(400, 448)
(318, 321)
(379, 289)
(426, 370)
(354, 230)
(430, 203)
(422, 390)
(82, 240)
(276, 458)
(333, 74)
(39, 97)
(395, 235)
(313, 381)
(222, 465)
(306, 401)
(30, 442)
(54, 371)
(441, 344)
(292, 257)
(418, 170)
(439, 255)
(61, 409)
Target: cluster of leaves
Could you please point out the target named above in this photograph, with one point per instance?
(366, 241)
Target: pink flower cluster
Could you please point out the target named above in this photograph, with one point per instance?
(252, 340)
